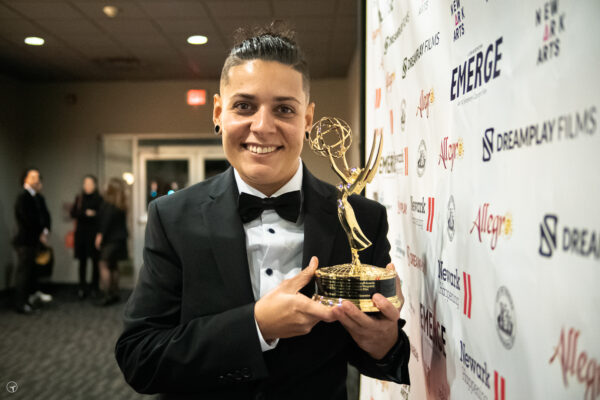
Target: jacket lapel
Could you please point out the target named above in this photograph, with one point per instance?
(320, 223)
(228, 239)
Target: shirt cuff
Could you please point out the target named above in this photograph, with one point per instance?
(263, 343)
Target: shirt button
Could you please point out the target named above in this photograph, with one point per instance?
(271, 230)
(269, 271)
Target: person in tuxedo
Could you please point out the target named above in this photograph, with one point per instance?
(85, 212)
(33, 228)
(222, 308)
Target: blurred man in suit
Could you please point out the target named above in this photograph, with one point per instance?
(33, 227)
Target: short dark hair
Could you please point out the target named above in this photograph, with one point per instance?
(26, 172)
(274, 42)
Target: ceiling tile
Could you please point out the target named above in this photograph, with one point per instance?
(294, 8)
(138, 26)
(239, 8)
(93, 9)
(46, 9)
(174, 9)
(73, 27)
(7, 13)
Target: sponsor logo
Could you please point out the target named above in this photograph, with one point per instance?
(377, 98)
(403, 115)
(450, 152)
(577, 364)
(394, 164)
(458, 13)
(422, 160)
(433, 330)
(423, 48)
(414, 352)
(415, 261)
(424, 100)
(449, 283)
(399, 248)
(418, 212)
(569, 126)
(389, 40)
(553, 23)
(451, 210)
(402, 207)
(505, 318)
(580, 241)
(477, 70)
(389, 80)
(473, 366)
(492, 225)
(468, 299)
(423, 7)
(499, 387)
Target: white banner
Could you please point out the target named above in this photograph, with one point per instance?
(491, 177)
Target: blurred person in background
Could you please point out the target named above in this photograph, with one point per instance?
(111, 240)
(85, 212)
(33, 228)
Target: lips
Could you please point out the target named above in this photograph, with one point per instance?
(256, 149)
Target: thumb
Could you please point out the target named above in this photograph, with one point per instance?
(304, 276)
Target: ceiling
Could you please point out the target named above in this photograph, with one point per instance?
(147, 39)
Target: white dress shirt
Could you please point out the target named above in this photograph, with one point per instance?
(273, 245)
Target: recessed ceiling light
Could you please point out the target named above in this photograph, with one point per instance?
(34, 41)
(110, 11)
(197, 39)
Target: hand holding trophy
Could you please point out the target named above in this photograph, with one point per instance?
(356, 282)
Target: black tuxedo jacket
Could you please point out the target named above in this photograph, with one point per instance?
(189, 324)
(32, 217)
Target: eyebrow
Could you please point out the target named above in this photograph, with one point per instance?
(277, 98)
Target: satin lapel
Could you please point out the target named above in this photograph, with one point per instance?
(320, 223)
(228, 239)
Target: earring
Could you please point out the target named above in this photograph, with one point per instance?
(217, 130)
(306, 135)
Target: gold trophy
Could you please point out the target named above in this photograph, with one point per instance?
(356, 282)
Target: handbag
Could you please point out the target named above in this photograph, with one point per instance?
(44, 261)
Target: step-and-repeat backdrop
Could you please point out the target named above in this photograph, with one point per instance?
(490, 174)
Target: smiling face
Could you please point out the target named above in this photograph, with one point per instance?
(263, 112)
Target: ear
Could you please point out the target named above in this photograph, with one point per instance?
(217, 109)
(308, 117)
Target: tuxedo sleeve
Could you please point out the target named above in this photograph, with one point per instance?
(394, 365)
(158, 353)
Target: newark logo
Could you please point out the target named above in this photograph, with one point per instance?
(505, 317)
(418, 212)
(499, 387)
(468, 295)
(580, 241)
(422, 160)
(553, 22)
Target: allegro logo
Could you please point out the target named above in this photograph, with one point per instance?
(494, 225)
(450, 151)
(468, 294)
(579, 366)
(499, 386)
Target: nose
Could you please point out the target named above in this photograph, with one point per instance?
(263, 121)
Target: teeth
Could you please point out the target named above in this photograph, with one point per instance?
(261, 150)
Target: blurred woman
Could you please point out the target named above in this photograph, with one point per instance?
(111, 240)
(85, 212)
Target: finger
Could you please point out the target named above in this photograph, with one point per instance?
(314, 309)
(391, 267)
(356, 315)
(386, 307)
(348, 323)
(303, 277)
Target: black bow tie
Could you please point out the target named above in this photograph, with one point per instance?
(287, 206)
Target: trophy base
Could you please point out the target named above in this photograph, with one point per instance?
(357, 284)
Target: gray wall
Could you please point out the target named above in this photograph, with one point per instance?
(11, 165)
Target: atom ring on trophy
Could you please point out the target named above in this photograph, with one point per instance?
(356, 282)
